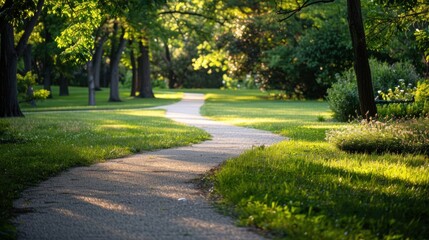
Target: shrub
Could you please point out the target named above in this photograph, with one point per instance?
(399, 136)
(25, 88)
(422, 96)
(385, 76)
(343, 97)
(406, 110)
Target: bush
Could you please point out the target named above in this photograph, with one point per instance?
(406, 110)
(385, 76)
(343, 97)
(400, 136)
(422, 96)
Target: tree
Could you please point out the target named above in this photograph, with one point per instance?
(361, 63)
(10, 12)
(79, 40)
(118, 43)
(144, 71)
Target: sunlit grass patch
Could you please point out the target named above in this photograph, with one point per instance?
(43, 144)
(306, 188)
(78, 100)
(400, 136)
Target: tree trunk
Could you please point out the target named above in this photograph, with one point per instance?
(97, 58)
(134, 79)
(91, 85)
(171, 76)
(115, 58)
(48, 64)
(27, 57)
(64, 86)
(144, 72)
(27, 68)
(361, 64)
(9, 106)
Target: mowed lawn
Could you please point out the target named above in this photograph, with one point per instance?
(78, 100)
(305, 188)
(45, 143)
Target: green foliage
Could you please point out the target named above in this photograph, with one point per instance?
(420, 107)
(343, 97)
(26, 81)
(25, 86)
(422, 37)
(385, 76)
(410, 136)
(41, 94)
(400, 92)
(422, 92)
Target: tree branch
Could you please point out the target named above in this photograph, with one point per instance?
(290, 13)
(29, 28)
(193, 14)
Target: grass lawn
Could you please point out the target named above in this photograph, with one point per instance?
(45, 143)
(78, 100)
(306, 188)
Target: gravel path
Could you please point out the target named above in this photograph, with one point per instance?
(144, 196)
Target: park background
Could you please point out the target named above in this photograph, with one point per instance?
(287, 73)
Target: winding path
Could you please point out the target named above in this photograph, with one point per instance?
(144, 196)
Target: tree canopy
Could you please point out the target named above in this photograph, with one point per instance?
(297, 47)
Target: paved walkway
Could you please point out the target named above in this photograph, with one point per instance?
(144, 196)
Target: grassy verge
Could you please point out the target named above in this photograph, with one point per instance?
(308, 189)
(43, 144)
(78, 100)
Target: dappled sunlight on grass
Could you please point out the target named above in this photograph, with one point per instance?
(306, 187)
(351, 192)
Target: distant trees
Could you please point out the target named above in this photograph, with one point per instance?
(216, 43)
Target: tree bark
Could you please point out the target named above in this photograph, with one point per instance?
(9, 106)
(115, 58)
(134, 79)
(144, 72)
(27, 68)
(91, 85)
(64, 86)
(48, 64)
(97, 58)
(27, 57)
(361, 63)
(171, 76)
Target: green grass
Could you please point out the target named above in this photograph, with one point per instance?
(43, 144)
(306, 188)
(78, 100)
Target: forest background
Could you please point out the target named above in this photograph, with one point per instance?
(204, 44)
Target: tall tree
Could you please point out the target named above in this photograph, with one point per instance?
(357, 32)
(361, 63)
(79, 39)
(118, 43)
(144, 71)
(10, 12)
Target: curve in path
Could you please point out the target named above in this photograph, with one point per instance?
(137, 197)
